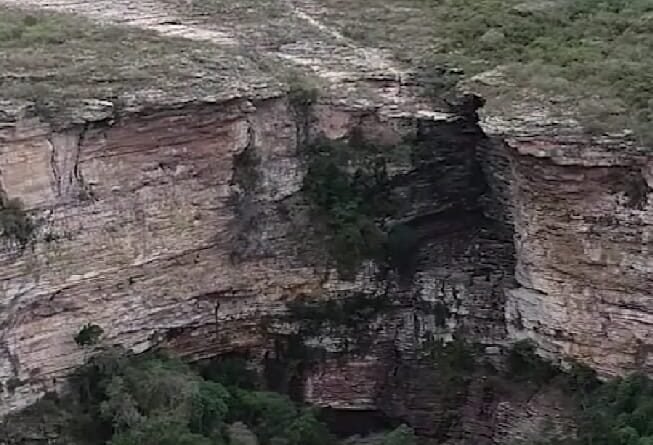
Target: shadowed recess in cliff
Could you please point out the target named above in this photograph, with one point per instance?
(369, 197)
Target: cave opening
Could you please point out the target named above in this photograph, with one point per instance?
(356, 422)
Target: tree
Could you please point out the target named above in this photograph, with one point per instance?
(160, 431)
(308, 430)
(402, 435)
(209, 408)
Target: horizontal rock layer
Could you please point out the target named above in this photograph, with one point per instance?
(146, 228)
(583, 215)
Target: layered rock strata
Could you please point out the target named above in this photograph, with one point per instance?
(583, 216)
(179, 221)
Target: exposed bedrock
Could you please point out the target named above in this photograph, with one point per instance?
(187, 228)
(583, 215)
(157, 228)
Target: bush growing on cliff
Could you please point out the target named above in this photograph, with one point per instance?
(302, 92)
(350, 317)
(525, 364)
(88, 335)
(349, 190)
(16, 226)
(230, 371)
(401, 246)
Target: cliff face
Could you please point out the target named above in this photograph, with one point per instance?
(146, 229)
(187, 228)
(183, 223)
(583, 214)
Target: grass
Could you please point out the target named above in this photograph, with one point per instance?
(59, 61)
(594, 54)
(587, 58)
(267, 24)
(245, 9)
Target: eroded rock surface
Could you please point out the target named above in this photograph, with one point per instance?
(175, 217)
(583, 239)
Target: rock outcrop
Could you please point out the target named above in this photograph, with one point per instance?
(583, 217)
(176, 218)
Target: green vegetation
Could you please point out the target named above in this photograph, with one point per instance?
(16, 225)
(401, 245)
(302, 91)
(88, 335)
(60, 61)
(156, 399)
(594, 54)
(246, 165)
(230, 371)
(349, 193)
(454, 359)
(402, 435)
(590, 50)
(524, 364)
(348, 317)
(351, 312)
(619, 412)
(455, 366)
(440, 313)
(348, 187)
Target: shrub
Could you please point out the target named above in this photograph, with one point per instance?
(455, 362)
(16, 226)
(348, 188)
(160, 431)
(525, 364)
(88, 335)
(402, 435)
(230, 371)
(349, 316)
(209, 408)
(306, 429)
(268, 414)
(619, 412)
(302, 92)
(440, 313)
(581, 379)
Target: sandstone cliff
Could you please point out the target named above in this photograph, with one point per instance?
(170, 212)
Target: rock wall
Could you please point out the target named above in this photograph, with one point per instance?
(186, 227)
(583, 215)
(156, 227)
